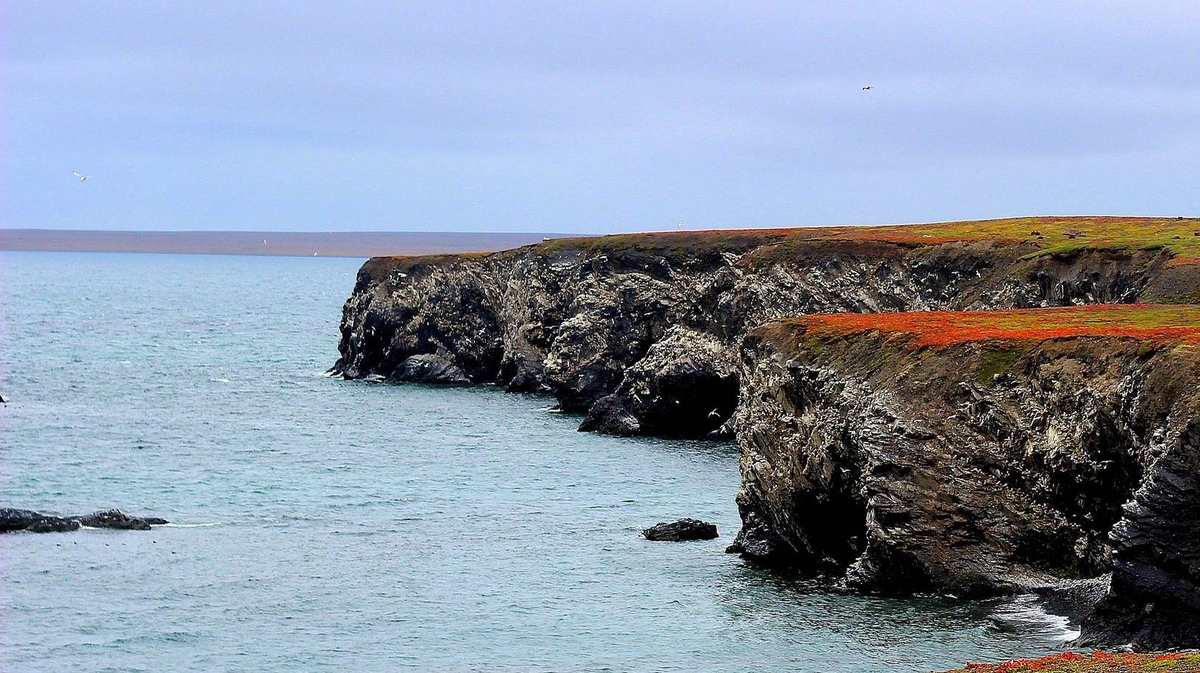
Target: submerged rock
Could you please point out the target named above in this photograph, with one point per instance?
(35, 522)
(681, 530)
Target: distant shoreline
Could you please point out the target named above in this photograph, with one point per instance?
(265, 243)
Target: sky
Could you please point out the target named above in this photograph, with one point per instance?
(592, 117)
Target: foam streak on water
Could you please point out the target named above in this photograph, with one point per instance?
(332, 525)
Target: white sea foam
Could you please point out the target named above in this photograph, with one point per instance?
(1026, 614)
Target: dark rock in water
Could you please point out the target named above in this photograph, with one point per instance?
(16, 519)
(35, 522)
(155, 520)
(430, 368)
(24, 519)
(683, 387)
(681, 530)
(609, 416)
(756, 541)
(113, 518)
(53, 524)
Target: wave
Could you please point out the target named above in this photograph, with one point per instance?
(1027, 614)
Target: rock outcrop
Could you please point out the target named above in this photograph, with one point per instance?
(12, 520)
(681, 531)
(978, 467)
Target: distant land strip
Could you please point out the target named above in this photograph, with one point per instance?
(272, 243)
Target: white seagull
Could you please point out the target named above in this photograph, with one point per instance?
(81, 176)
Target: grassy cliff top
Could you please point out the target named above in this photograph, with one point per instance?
(1099, 662)
(1049, 234)
(1039, 235)
(1045, 235)
(1148, 322)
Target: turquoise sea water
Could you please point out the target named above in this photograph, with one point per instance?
(326, 525)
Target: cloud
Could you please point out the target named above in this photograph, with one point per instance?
(592, 116)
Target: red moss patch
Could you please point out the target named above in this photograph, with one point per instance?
(1099, 662)
(1148, 322)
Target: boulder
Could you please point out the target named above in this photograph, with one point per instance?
(681, 530)
(430, 368)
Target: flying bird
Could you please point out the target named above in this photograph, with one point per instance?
(81, 176)
(867, 88)
(680, 225)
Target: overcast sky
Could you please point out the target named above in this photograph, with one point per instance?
(579, 116)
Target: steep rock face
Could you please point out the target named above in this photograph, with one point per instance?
(602, 323)
(977, 468)
(684, 386)
(1154, 602)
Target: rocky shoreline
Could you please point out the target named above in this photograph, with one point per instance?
(977, 467)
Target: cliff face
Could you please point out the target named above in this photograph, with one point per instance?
(978, 467)
(642, 331)
(971, 465)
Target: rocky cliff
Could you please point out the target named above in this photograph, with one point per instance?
(976, 454)
(641, 331)
(990, 462)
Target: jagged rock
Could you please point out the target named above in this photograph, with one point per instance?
(35, 522)
(1154, 599)
(113, 518)
(901, 470)
(610, 416)
(23, 519)
(429, 368)
(756, 540)
(657, 321)
(685, 386)
(681, 530)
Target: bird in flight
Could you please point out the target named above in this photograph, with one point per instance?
(867, 87)
(680, 225)
(81, 176)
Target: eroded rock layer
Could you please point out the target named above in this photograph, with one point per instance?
(641, 331)
(979, 467)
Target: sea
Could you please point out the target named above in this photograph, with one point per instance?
(327, 525)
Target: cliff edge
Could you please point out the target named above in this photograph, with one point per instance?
(641, 331)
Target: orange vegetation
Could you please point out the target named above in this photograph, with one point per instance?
(1150, 322)
(1099, 662)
